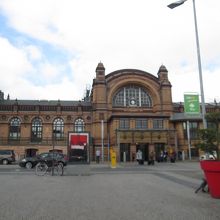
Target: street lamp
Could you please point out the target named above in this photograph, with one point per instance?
(174, 5)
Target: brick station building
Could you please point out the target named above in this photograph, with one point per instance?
(126, 110)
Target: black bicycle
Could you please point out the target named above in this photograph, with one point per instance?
(55, 168)
(203, 186)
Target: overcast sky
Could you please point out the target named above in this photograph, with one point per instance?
(49, 49)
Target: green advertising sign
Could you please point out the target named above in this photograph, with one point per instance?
(191, 104)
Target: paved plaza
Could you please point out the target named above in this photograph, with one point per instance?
(96, 191)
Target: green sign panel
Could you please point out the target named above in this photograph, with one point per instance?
(191, 104)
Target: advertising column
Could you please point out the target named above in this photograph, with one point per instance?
(78, 147)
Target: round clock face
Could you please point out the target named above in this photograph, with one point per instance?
(132, 102)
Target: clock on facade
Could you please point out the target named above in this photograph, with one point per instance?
(132, 102)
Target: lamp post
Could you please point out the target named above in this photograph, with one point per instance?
(102, 137)
(174, 5)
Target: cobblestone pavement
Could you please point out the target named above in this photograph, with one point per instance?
(96, 191)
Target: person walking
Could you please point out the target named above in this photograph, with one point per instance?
(133, 157)
(173, 157)
(151, 158)
(139, 157)
(98, 153)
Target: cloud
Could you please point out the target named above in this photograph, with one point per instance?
(70, 37)
(14, 61)
(49, 71)
(33, 52)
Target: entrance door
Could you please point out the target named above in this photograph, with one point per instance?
(159, 147)
(144, 148)
(124, 152)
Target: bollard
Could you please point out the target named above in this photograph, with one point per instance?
(113, 159)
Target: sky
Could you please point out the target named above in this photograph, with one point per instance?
(49, 49)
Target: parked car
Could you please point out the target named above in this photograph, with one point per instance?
(30, 162)
(7, 156)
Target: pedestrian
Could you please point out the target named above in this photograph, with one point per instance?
(151, 158)
(97, 155)
(165, 156)
(179, 155)
(133, 157)
(139, 157)
(173, 157)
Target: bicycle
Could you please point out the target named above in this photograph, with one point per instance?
(55, 168)
(203, 186)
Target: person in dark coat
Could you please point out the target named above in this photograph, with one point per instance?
(173, 157)
(151, 158)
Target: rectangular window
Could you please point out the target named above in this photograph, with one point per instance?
(158, 124)
(141, 123)
(211, 125)
(14, 133)
(36, 135)
(124, 124)
(79, 128)
(193, 128)
(58, 134)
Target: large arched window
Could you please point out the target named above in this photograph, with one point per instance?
(36, 130)
(15, 129)
(58, 128)
(133, 96)
(79, 125)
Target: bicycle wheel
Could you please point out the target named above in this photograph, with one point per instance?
(59, 169)
(41, 169)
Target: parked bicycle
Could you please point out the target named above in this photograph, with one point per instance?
(55, 168)
(203, 186)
